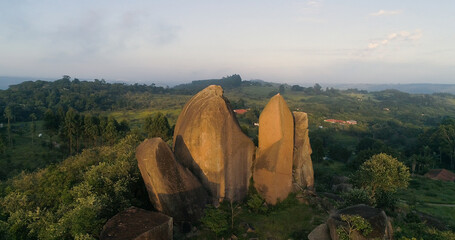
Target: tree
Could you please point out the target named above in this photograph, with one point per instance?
(91, 129)
(215, 220)
(71, 128)
(51, 123)
(382, 173)
(281, 89)
(447, 133)
(355, 223)
(9, 115)
(157, 126)
(33, 127)
(110, 132)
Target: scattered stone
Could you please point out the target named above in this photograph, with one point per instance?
(208, 140)
(303, 176)
(172, 189)
(273, 166)
(381, 225)
(138, 224)
(321, 232)
(342, 187)
(340, 179)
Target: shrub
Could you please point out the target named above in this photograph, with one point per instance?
(215, 220)
(355, 223)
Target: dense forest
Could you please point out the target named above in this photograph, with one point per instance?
(67, 147)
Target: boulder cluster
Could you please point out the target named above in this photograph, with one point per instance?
(213, 160)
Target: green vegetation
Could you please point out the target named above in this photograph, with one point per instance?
(73, 199)
(382, 174)
(67, 165)
(355, 223)
(289, 219)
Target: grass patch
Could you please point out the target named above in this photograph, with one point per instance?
(426, 190)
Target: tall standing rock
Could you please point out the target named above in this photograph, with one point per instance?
(273, 166)
(302, 165)
(172, 189)
(208, 140)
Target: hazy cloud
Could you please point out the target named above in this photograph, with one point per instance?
(385, 13)
(396, 36)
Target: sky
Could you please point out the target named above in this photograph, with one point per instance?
(290, 41)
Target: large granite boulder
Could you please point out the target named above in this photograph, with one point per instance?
(208, 140)
(138, 224)
(172, 189)
(273, 165)
(302, 165)
(380, 223)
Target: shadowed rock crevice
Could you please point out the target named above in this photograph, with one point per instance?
(138, 224)
(172, 189)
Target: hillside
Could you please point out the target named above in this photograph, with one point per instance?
(417, 129)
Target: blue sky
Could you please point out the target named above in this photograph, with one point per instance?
(289, 41)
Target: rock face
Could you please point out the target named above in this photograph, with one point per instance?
(208, 140)
(382, 228)
(302, 165)
(172, 189)
(138, 224)
(321, 232)
(273, 166)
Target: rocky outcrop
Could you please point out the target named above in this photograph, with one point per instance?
(303, 176)
(381, 226)
(273, 165)
(208, 140)
(138, 224)
(172, 189)
(321, 232)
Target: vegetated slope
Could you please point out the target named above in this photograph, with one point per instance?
(73, 199)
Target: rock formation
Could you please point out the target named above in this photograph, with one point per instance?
(321, 232)
(302, 165)
(172, 189)
(138, 224)
(208, 140)
(381, 226)
(273, 165)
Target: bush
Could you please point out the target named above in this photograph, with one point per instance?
(355, 223)
(357, 196)
(256, 204)
(215, 220)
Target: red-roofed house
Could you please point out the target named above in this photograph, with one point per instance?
(441, 174)
(240, 111)
(335, 121)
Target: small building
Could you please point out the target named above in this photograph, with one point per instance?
(240, 111)
(335, 121)
(351, 122)
(441, 174)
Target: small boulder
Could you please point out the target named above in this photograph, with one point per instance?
(342, 187)
(172, 189)
(273, 165)
(138, 224)
(303, 166)
(321, 232)
(380, 223)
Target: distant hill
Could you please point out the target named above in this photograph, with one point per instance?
(6, 81)
(422, 88)
(228, 82)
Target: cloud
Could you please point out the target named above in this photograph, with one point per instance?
(385, 13)
(396, 36)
